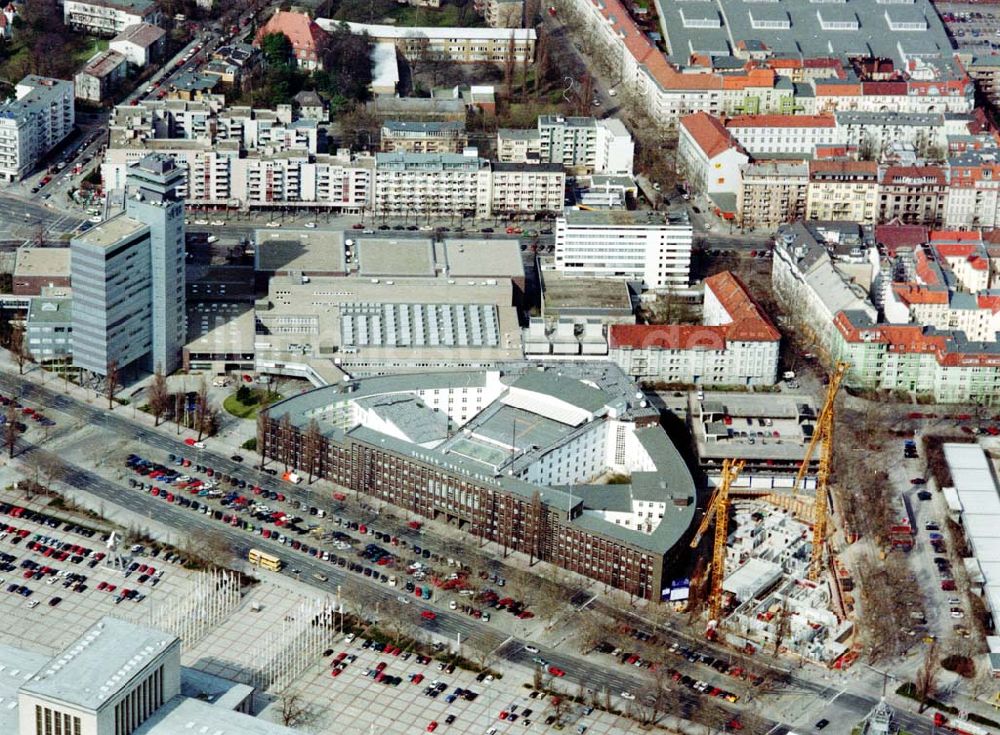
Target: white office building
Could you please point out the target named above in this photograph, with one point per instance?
(638, 246)
(38, 119)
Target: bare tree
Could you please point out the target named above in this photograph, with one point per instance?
(179, 399)
(202, 409)
(19, 348)
(10, 431)
(111, 383)
(294, 708)
(536, 528)
(542, 60)
(586, 94)
(509, 64)
(159, 396)
(926, 679)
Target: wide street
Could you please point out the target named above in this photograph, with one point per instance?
(447, 624)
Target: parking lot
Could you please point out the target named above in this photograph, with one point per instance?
(973, 27)
(56, 578)
(356, 703)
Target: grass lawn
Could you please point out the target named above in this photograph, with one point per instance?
(248, 409)
(90, 48)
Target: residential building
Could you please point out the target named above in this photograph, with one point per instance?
(502, 13)
(100, 76)
(792, 67)
(463, 45)
(7, 16)
(517, 145)
(797, 135)
(127, 275)
(913, 194)
(140, 43)
(109, 17)
(650, 247)
(710, 158)
(772, 192)
(453, 444)
(808, 281)
(521, 188)
(39, 117)
(423, 137)
(310, 106)
(973, 189)
(585, 144)
(736, 343)
(842, 190)
(48, 328)
(307, 37)
(232, 61)
(985, 72)
(823, 273)
(871, 133)
(431, 184)
(238, 157)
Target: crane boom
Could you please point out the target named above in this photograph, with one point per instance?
(824, 434)
(718, 510)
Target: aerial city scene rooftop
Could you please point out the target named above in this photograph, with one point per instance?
(489, 367)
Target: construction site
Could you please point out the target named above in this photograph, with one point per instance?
(773, 582)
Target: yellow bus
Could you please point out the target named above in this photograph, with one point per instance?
(263, 559)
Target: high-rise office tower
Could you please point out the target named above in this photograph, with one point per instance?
(127, 275)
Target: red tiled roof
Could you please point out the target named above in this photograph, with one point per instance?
(302, 31)
(912, 293)
(897, 235)
(884, 88)
(749, 324)
(749, 321)
(708, 133)
(843, 166)
(892, 173)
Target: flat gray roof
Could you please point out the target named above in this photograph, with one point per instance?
(403, 257)
(306, 251)
(480, 258)
(42, 262)
(561, 293)
(47, 310)
(183, 716)
(793, 28)
(111, 232)
(17, 666)
(92, 669)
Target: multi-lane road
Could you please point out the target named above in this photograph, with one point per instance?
(446, 624)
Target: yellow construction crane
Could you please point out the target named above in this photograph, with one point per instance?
(823, 433)
(718, 509)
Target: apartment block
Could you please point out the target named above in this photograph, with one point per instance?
(518, 145)
(842, 190)
(140, 43)
(649, 247)
(128, 279)
(502, 13)
(109, 17)
(39, 117)
(708, 156)
(100, 77)
(797, 135)
(463, 45)
(586, 144)
(772, 193)
(914, 195)
(431, 184)
(524, 188)
(973, 189)
(423, 137)
(736, 343)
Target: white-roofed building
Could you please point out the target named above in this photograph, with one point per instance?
(975, 484)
